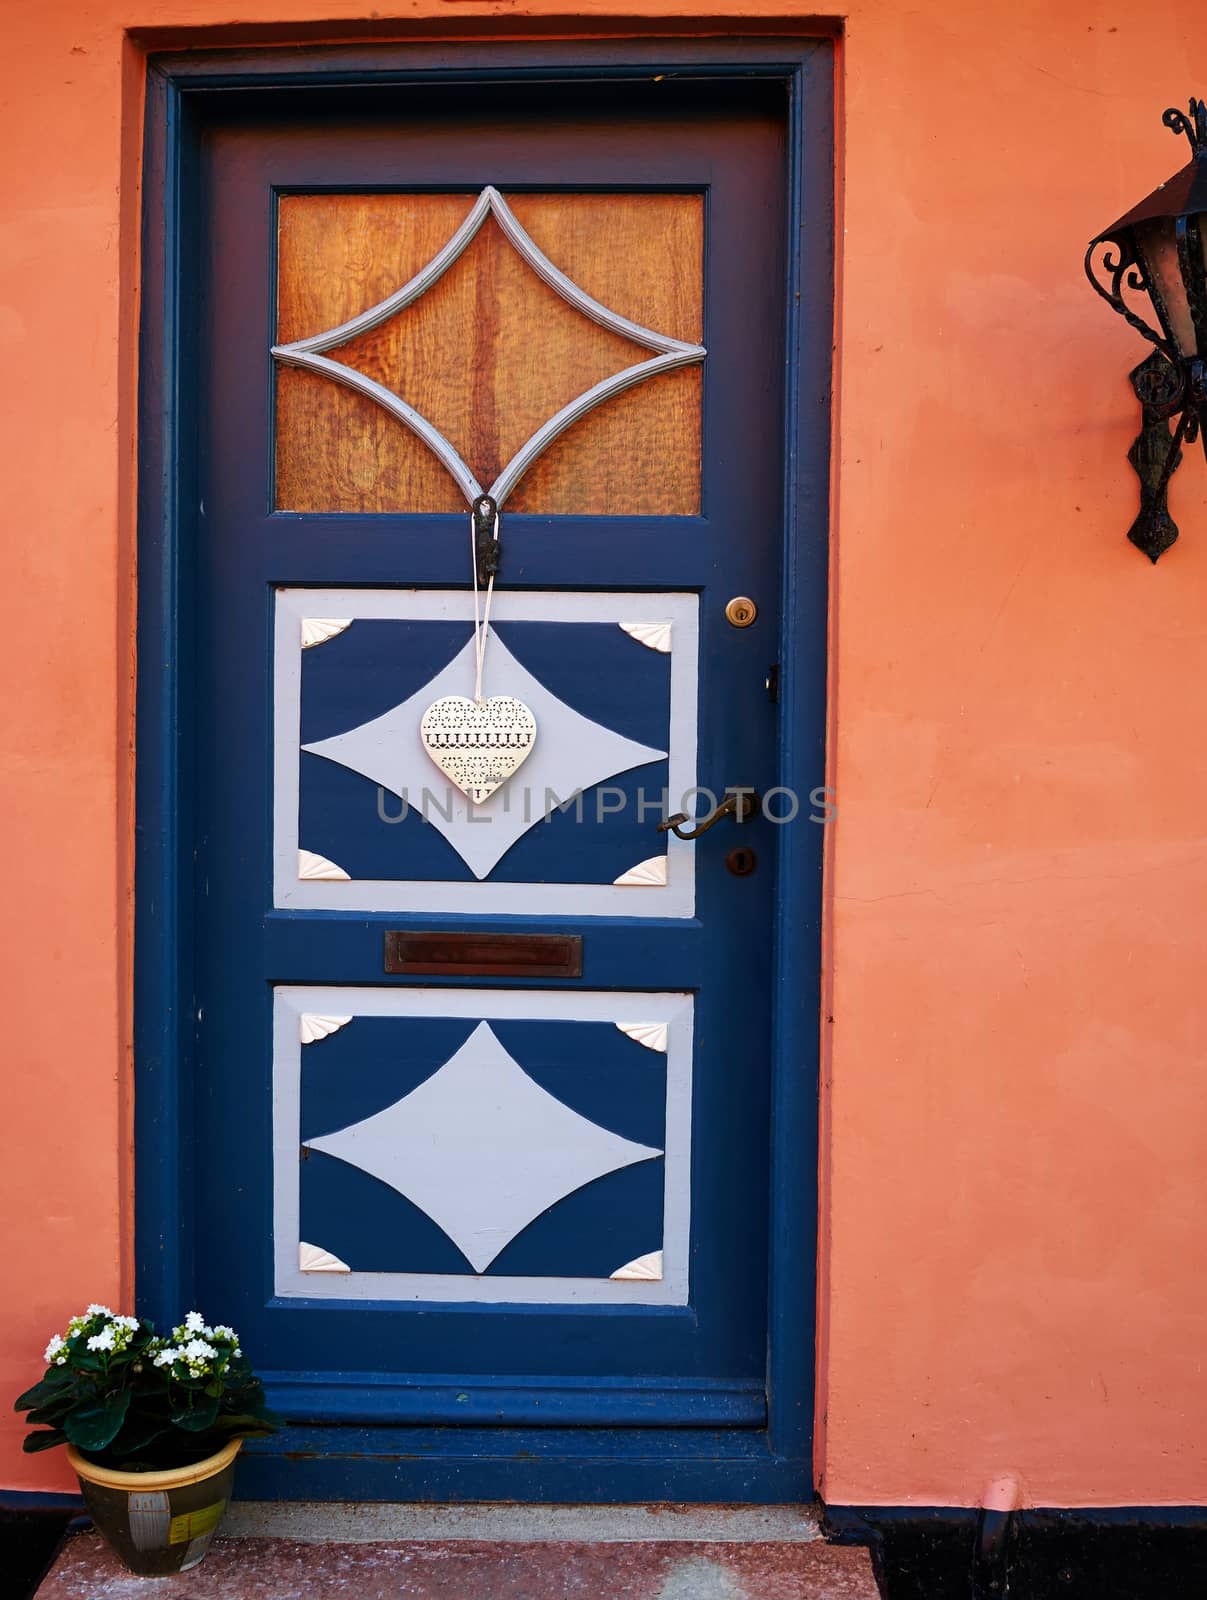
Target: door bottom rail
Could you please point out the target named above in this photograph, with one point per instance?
(369, 1398)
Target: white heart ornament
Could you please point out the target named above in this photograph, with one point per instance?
(478, 744)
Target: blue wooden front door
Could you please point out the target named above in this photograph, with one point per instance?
(463, 1214)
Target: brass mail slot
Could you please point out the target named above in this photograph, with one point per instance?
(485, 955)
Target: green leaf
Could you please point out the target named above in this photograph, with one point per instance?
(236, 1421)
(151, 1381)
(243, 1422)
(136, 1436)
(52, 1414)
(34, 1442)
(196, 1419)
(56, 1381)
(93, 1427)
(244, 1428)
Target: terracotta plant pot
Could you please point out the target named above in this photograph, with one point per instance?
(158, 1522)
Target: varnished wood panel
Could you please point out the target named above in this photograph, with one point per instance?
(490, 353)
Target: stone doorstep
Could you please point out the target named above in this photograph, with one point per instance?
(466, 1569)
(461, 1568)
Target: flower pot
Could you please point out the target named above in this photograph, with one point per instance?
(158, 1522)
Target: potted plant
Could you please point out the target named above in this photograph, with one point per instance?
(152, 1426)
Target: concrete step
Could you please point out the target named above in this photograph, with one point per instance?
(371, 1552)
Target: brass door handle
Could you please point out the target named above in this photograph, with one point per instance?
(740, 804)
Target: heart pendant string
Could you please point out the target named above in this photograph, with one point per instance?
(481, 626)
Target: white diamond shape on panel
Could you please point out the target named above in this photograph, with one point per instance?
(572, 754)
(481, 1148)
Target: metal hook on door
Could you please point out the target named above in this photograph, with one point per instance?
(487, 549)
(740, 804)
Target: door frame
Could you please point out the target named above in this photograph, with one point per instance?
(682, 1464)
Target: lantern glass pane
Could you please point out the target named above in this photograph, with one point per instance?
(1156, 244)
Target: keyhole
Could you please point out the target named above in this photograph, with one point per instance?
(741, 861)
(741, 611)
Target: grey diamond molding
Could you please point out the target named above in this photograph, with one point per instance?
(481, 1148)
(572, 755)
(668, 353)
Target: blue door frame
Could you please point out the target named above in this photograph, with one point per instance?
(549, 1463)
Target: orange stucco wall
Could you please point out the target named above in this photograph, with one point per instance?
(1015, 1138)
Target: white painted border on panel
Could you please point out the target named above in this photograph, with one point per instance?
(291, 1002)
(677, 898)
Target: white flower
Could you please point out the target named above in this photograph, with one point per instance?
(197, 1350)
(126, 1322)
(104, 1340)
(97, 1311)
(52, 1349)
(221, 1331)
(195, 1323)
(60, 1361)
(167, 1356)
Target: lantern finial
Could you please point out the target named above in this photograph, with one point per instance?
(1193, 126)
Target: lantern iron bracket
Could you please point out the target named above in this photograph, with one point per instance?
(1125, 271)
(1171, 383)
(1156, 454)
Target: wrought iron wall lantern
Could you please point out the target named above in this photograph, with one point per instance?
(1158, 250)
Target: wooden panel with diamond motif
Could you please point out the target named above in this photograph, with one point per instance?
(490, 353)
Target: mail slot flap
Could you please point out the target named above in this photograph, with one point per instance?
(484, 955)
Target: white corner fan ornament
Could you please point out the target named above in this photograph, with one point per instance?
(478, 744)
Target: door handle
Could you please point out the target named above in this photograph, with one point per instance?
(740, 804)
